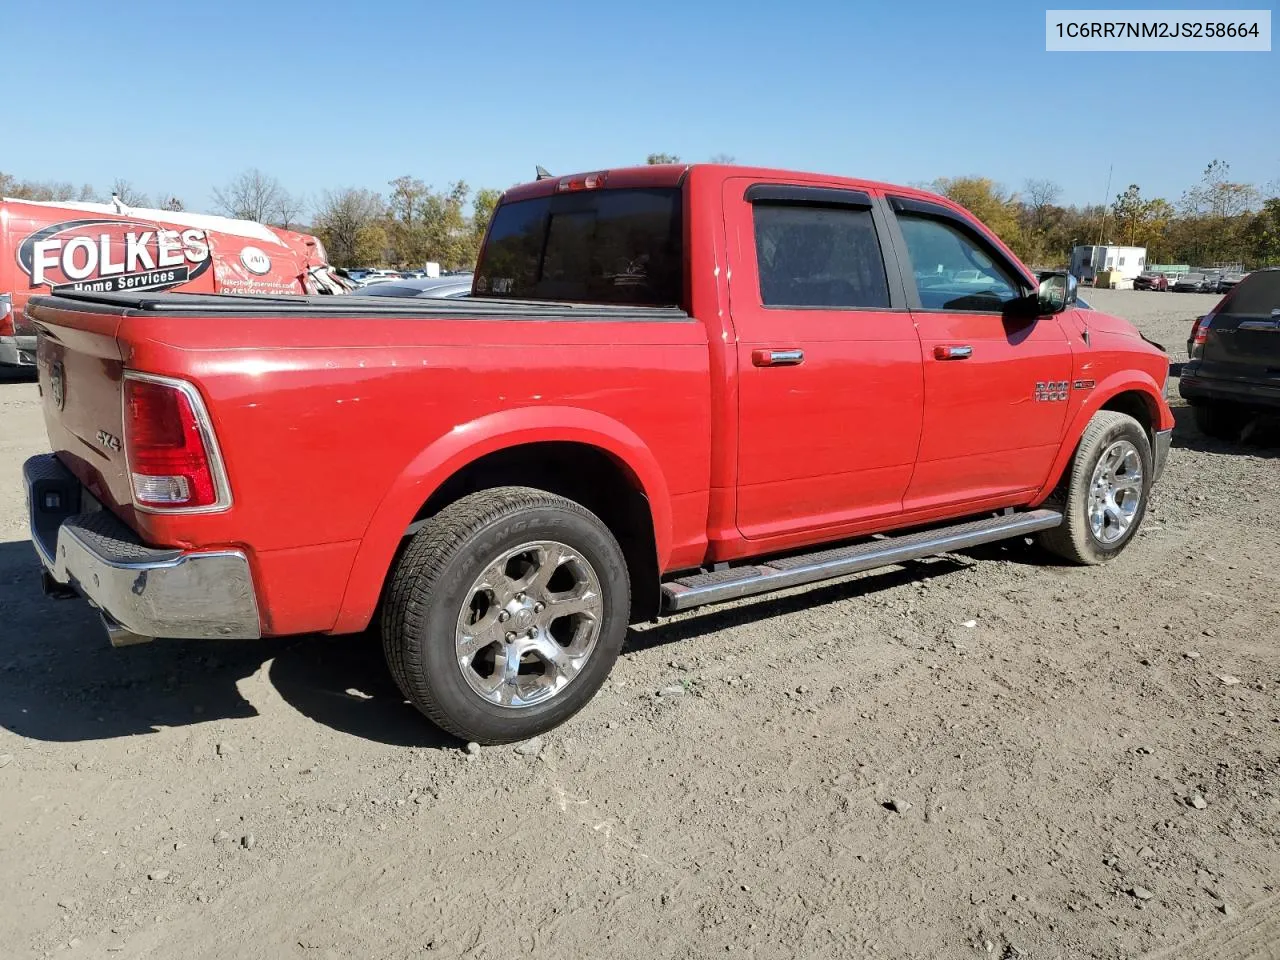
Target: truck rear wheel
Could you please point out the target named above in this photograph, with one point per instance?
(1104, 494)
(506, 613)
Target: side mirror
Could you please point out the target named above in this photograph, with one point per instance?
(1057, 292)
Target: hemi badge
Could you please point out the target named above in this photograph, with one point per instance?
(1084, 385)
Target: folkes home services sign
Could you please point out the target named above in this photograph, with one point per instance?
(105, 255)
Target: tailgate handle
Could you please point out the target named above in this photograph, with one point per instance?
(777, 358)
(1272, 326)
(952, 352)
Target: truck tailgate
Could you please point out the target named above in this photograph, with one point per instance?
(80, 367)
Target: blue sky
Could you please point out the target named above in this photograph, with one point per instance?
(177, 97)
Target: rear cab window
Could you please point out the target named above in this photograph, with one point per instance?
(1257, 295)
(611, 246)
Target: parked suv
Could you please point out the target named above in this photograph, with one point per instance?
(1191, 283)
(1234, 367)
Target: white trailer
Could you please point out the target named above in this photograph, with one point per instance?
(1088, 261)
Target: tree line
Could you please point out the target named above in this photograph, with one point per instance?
(1216, 221)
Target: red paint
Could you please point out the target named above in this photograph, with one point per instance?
(336, 431)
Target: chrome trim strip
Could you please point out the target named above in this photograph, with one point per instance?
(1160, 452)
(865, 556)
(205, 425)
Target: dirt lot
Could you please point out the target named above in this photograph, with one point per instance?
(1049, 728)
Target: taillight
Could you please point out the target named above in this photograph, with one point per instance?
(174, 463)
(588, 181)
(6, 314)
(1200, 333)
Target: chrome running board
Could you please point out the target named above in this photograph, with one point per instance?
(684, 593)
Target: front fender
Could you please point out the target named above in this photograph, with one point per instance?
(1126, 381)
(468, 442)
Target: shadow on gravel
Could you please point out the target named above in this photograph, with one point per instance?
(60, 680)
(723, 618)
(1260, 437)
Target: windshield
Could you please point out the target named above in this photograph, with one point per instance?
(600, 246)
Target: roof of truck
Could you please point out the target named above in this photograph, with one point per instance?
(672, 174)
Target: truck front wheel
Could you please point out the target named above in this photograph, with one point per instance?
(506, 613)
(1103, 497)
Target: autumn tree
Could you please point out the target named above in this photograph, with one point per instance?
(1039, 197)
(125, 192)
(349, 223)
(1129, 210)
(252, 195)
(289, 208)
(482, 206)
(11, 186)
(987, 201)
(1262, 233)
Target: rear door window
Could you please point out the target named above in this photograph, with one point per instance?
(819, 257)
(599, 246)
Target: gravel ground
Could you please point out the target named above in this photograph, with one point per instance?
(983, 755)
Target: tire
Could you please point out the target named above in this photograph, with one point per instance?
(1078, 539)
(1222, 421)
(466, 568)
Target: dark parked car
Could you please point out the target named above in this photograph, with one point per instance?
(1225, 281)
(1151, 281)
(1192, 283)
(1234, 367)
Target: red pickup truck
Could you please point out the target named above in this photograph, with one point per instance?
(672, 386)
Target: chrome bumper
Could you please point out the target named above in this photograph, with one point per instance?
(1160, 451)
(143, 592)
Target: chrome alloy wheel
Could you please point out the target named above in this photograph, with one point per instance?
(529, 624)
(1115, 493)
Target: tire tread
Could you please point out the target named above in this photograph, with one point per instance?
(1071, 540)
(414, 580)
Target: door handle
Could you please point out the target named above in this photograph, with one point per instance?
(949, 352)
(777, 358)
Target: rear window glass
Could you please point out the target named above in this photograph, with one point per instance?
(1256, 295)
(818, 257)
(599, 246)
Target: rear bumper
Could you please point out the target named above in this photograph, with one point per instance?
(1249, 393)
(19, 351)
(143, 592)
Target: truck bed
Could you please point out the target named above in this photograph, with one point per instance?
(415, 308)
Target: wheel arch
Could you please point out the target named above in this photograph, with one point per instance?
(1133, 393)
(576, 453)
